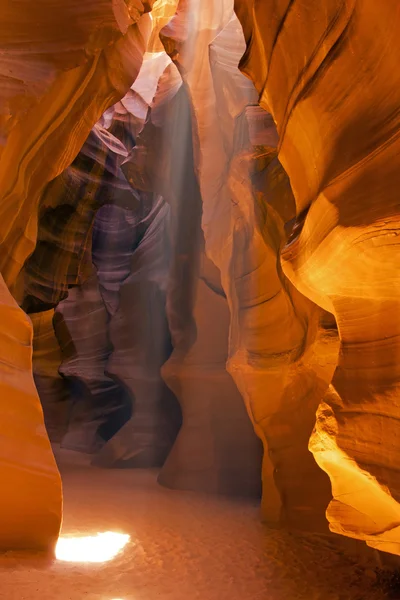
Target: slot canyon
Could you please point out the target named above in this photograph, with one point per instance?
(199, 300)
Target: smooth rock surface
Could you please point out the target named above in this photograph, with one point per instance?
(275, 333)
(216, 449)
(336, 109)
(30, 499)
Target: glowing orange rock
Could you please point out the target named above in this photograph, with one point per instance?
(60, 70)
(79, 74)
(335, 103)
(30, 499)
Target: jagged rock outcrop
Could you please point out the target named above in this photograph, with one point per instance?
(315, 67)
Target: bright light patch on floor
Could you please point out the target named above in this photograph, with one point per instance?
(91, 549)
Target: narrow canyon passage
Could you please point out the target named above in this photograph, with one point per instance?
(199, 300)
(183, 545)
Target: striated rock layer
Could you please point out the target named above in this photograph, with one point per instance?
(79, 74)
(60, 70)
(216, 449)
(140, 340)
(336, 108)
(295, 288)
(112, 355)
(279, 354)
(53, 389)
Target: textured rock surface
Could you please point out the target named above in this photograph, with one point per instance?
(62, 258)
(115, 354)
(78, 74)
(98, 402)
(30, 499)
(139, 335)
(283, 349)
(68, 205)
(216, 449)
(52, 387)
(246, 201)
(207, 242)
(61, 67)
(112, 355)
(336, 108)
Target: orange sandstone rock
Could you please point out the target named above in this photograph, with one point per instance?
(30, 499)
(276, 334)
(44, 135)
(327, 72)
(60, 69)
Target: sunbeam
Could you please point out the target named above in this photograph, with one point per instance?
(98, 548)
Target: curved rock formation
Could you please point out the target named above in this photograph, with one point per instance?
(336, 107)
(30, 499)
(99, 405)
(112, 363)
(140, 339)
(78, 74)
(216, 449)
(52, 387)
(62, 258)
(161, 13)
(283, 349)
(60, 70)
(203, 248)
(246, 201)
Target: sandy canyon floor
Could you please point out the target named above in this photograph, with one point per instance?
(184, 546)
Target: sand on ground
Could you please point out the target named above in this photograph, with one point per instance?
(184, 546)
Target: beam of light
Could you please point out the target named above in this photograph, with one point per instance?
(91, 549)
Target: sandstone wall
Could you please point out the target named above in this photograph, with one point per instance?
(216, 450)
(326, 71)
(60, 70)
(279, 354)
